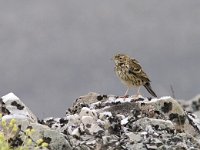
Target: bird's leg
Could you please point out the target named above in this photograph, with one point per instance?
(125, 95)
(138, 91)
(126, 92)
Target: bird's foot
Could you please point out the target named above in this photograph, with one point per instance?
(137, 96)
(124, 97)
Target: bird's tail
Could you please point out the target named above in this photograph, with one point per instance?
(149, 89)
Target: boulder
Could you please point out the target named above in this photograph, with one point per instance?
(111, 122)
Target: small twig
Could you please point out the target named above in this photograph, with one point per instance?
(172, 91)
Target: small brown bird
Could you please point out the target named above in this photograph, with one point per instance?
(131, 74)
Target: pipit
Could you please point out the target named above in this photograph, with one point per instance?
(131, 74)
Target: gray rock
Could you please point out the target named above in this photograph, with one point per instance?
(58, 140)
(88, 112)
(25, 118)
(90, 125)
(109, 122)
(55, 139)
(151, 147)
(134, 137)
(13, 107)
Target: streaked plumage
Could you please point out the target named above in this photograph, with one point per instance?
(131, 74)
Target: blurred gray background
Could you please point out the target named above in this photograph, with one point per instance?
(55, 51)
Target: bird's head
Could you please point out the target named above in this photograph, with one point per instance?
(120, 58)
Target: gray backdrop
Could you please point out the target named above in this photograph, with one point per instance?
(54, 51)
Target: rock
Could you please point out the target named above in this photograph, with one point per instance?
(151, 147)
(192, 105)
(56, 140)
(13, 107)
(88, 112)
(84, 101)
(76, 132)
(109, 122)
(90, 125)
(136, 138)
(135, 122)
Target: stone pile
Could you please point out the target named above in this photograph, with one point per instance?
(108, 122)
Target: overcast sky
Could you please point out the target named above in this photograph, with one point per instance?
(52, 52)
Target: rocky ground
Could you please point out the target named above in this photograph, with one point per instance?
(108, 122)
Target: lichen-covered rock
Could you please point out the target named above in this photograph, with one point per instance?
(90, 125)
(55, 139)
(192, 105)
(86, 100)
(114, 123)
(13, 108)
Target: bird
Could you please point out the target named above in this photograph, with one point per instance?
(131, 74)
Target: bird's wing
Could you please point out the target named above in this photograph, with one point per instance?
(136, 69)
